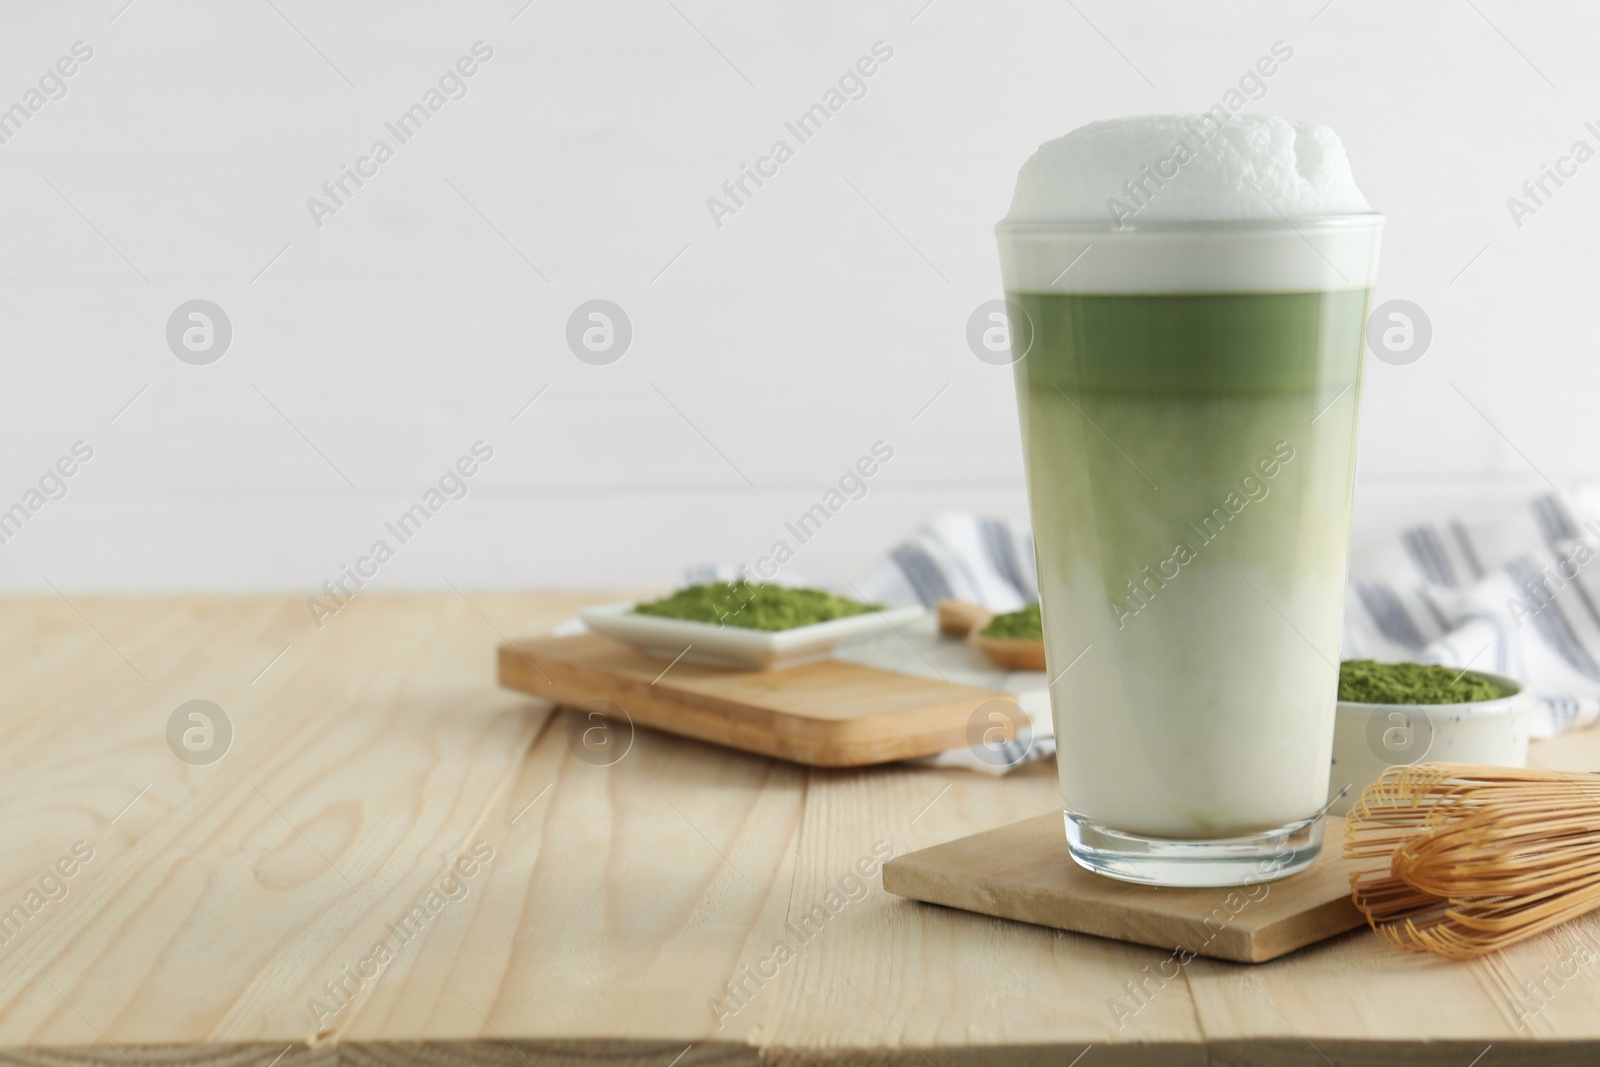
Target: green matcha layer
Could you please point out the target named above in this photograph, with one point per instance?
(1153, 423)
(1193, 344)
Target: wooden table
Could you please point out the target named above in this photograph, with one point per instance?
(619, 901)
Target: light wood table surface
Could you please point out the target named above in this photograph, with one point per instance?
(619, 901)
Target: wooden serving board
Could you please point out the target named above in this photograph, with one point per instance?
(1023, 872)
(827, 714)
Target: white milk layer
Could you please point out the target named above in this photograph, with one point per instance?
(1239, 257)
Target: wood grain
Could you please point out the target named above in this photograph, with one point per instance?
(1023, 872)
(828, 714)
(621, 899)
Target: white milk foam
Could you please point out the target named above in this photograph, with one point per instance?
(1287, 183)
(1165, 168)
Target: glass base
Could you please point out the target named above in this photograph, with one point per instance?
(1248, 860)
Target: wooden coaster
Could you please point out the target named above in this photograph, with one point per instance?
(1023, 872)
(827, 714)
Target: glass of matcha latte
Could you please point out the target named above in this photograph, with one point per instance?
(1188, 299)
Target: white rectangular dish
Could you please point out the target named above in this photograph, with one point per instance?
(737, 646)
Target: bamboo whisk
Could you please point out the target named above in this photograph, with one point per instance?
(1461, 860)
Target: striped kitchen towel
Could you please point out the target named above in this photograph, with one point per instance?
(960, 557)
(1517, 593)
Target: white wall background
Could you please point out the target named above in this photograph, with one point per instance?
(822, 317)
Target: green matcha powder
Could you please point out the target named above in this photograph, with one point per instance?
(754, 607)
(1024, 625)
(1365, 681)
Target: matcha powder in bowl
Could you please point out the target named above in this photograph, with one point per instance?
(1024, 625)
(754, 607)
(1365, 681)
(1398, 714)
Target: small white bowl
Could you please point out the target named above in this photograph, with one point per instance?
(738, 646)
(1370, 738)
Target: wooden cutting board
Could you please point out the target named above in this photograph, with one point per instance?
(827, 714)
(1023, 872)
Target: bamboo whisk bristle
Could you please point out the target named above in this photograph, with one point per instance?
(1461, 860)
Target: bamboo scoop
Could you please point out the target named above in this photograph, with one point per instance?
(1461, 860)
(958, 618)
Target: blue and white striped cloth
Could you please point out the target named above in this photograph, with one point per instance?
(1517, 594)
(960, 557)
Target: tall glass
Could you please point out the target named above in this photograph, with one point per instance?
(1187, 394)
